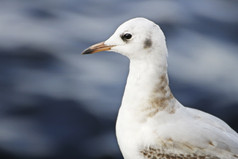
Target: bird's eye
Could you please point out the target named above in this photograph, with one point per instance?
(126, 36)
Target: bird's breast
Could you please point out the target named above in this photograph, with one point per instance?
(133, 133)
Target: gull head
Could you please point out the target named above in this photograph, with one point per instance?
(136, 38)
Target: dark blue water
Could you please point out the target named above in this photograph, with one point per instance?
(57, 104)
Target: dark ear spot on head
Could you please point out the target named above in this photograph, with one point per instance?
(147, 43)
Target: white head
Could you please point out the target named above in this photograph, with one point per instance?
(137, 38)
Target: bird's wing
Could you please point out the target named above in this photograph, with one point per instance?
(191, 130)
(223, 136)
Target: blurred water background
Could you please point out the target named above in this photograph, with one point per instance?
(58, 104)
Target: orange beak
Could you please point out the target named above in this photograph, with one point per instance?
(97, 48)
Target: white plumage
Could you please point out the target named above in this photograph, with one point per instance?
(151, 123)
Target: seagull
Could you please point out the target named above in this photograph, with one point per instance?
(152, 123)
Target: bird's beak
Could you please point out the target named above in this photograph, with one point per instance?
(97, 48)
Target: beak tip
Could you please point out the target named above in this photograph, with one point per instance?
(87, 51)
(96, 48)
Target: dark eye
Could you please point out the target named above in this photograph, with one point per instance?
(126, 36)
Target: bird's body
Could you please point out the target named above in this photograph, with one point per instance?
(151, 123)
